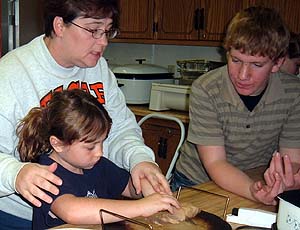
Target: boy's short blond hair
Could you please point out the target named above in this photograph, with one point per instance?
(258, 31)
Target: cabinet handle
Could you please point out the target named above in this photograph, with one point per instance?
(155, 27)
(140, 60)
(201, 22)
(197, 19)
(162, 148)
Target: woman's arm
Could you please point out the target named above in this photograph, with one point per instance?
(33, 180)
(130, 191)
(125, 143)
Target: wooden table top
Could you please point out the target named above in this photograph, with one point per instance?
(143, 110)
(213, 203)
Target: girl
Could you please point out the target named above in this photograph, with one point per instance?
(70, 131)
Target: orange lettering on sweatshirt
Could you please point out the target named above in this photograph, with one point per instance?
(99, 91)
(97, 88)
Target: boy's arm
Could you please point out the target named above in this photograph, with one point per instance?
(222, 172)
(233, 179)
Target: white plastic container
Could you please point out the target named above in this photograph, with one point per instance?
(169, 96)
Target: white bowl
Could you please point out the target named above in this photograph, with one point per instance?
(288, 217)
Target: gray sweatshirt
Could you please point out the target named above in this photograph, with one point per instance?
(28, 76)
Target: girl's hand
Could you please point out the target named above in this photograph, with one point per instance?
(158, 202)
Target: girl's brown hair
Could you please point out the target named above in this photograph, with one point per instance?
(69, 115)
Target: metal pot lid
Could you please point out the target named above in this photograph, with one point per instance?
(140, 69)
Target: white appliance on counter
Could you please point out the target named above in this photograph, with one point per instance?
(135, 80)
(172, 96)
(169, 96)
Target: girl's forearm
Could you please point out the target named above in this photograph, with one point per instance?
(74, 210)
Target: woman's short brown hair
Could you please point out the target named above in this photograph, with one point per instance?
(71, 9)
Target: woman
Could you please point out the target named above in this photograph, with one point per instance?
(67, 56)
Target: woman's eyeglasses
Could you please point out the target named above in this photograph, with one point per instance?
(98, 33)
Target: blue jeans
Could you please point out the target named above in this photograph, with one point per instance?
(10, 222)
(179, 179)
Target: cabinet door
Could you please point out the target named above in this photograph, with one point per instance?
(217, 14)
(136, 19)
(175, 19)
(162, 136)
(288, 9)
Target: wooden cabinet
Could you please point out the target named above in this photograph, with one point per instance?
(200, 20)
(193, 22)
(162, 136)
(136, 19)
(217, 14)
(288, 9)
(176, 21)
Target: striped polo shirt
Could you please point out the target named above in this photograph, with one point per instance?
(218, 117)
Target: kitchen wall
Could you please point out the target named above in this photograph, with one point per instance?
(164, 55)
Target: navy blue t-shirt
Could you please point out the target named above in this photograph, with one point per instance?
(104, 180)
